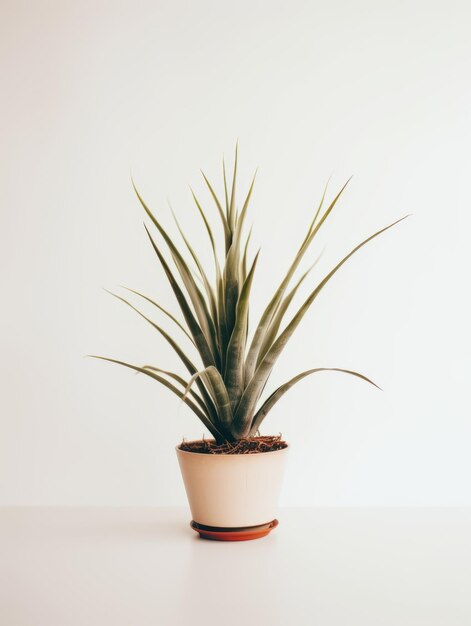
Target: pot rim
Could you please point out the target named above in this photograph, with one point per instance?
(227, 456)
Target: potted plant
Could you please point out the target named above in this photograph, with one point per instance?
(233, 479)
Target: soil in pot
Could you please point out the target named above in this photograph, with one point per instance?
(250, 445)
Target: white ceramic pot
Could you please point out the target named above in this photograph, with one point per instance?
(232, 490)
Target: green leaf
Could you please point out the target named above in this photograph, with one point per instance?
(183, 357)
(316, 215)
(280, 312)
(259, 335)
(198, 335)
(226, 195)
(243, 214)
(181, 381)
(196, 297)
(253, 390)
(174, 319)
(206, 283)
(234, 373)
(232, 216)
(224, 335)
(209, 231)
(244, 257)
(217, 389)
(227, 231)
(232, 266)
(278, 393)
(202, 416)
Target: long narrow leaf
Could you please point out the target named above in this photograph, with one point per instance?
(161, 308)
(218, 392)
(275, 324)
(183, 357)
(202, 416)
(201, 342)
(206, 283)
(252, 392)
(244, 257)
(279, 393)
(226, 195)
(232, 266)
(179, 380)
(234, 373)
(209, 231)
(196, 297)
(226, 227)
(258, 339)
(223, 331)
(316, 215)
(232, 216)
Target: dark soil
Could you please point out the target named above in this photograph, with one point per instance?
(252, 445)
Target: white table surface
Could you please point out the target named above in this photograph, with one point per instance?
(145, 566)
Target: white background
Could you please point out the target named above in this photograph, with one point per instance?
(92, 90)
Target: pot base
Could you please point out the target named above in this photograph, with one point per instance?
(233, 534)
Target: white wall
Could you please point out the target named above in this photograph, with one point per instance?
(93, 89)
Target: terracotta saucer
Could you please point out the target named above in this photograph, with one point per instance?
(234, 534)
